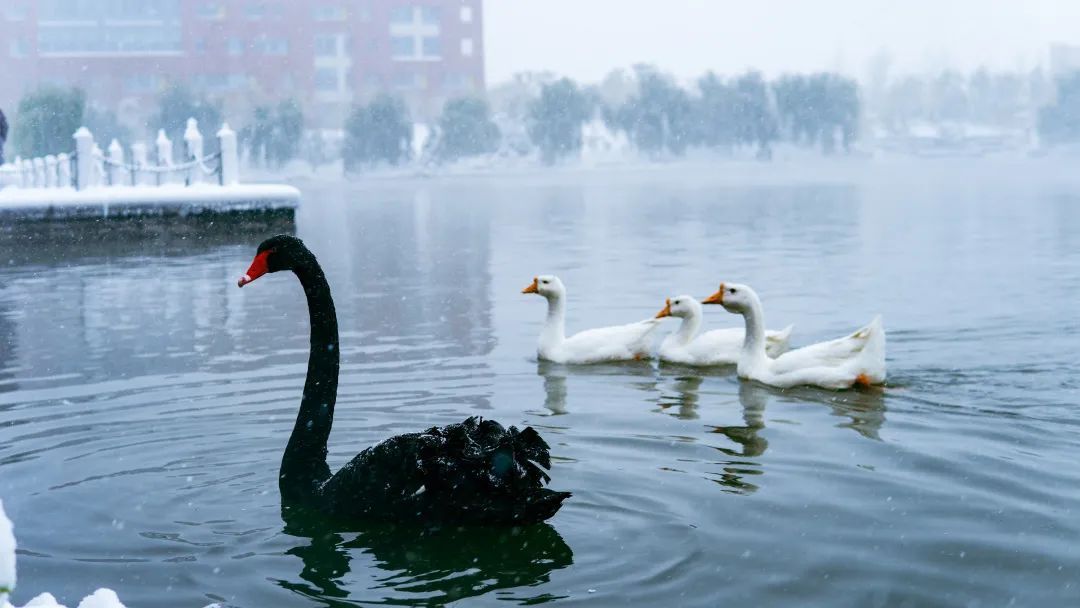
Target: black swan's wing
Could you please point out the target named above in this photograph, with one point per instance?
(472, 472)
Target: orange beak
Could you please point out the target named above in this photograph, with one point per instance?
(533, 288)
(258, 268)
(666, 312)
(716, 298)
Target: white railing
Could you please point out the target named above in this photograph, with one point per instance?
(91, 167)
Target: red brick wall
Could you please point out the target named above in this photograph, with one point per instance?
(132, 83)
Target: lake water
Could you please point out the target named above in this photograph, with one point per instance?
(145, 401)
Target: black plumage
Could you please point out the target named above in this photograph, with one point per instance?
(475, 471)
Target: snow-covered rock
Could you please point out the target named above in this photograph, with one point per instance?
(7, 557)
(102, 598)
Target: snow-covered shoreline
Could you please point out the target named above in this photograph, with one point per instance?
(145, 200)
(102, 598)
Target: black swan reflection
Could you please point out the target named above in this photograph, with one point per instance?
(422, 565)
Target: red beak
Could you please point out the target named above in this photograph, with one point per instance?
(256, 270)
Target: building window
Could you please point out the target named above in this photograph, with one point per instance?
(90, 36)
(429, 15)
(455, 81)
(325, 46)
(141, 83)
(18, 47)
(401, 15)
(414, 34)
(466, 14)
(329, 13)
(467, 47)
(430, 47)
(255, 11)
(326, 79)
(219, 82)
(96, 10)
(410, 82)
(15, 13)
(272, 46)
(403, 47)
(363, 11)
(211, 11)
(236, 47)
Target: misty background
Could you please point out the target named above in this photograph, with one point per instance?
(437, 85)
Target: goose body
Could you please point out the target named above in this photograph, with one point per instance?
(717, 347)
(476, 471)
(857, 359)
(616, 343)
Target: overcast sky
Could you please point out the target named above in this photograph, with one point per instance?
(584, 39)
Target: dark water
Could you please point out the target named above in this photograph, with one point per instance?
(145, 400)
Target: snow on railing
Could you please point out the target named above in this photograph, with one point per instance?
(89, 166)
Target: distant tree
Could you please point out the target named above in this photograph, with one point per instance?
(840, 111)
(176, 105)
(555, 119)
(466, 129)
(273, 136)
(755, 123)
(797, 109)
(46, 119)
(258, 134)
(715, 111)
(814, 110)
(998, 98)
(289, 132)
(105, 126)
(948, 97)
(1060, 122)
(659, 117)
(380, 131)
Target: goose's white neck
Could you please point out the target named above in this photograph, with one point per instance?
(554, 331)
(753, 350)
(691, 323)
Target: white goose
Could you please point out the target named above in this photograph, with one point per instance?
(617, 343)
(716, 347)
(858, 359)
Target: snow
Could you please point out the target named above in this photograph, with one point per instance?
(7, 556)
(147, 200)
(102, 598)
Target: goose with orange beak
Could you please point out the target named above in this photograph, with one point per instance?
(686, 346)
(617, 343)
(854, 360)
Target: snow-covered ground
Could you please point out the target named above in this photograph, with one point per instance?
(138, 200)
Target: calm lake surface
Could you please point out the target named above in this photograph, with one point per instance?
(145, 401)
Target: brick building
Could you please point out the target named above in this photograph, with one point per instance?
(328, 54)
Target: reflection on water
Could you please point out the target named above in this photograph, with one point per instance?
(640, 374)
(682, 400)
(426, 566)
(65, 243)
(554, 376)
(864, 409)
(145, 401)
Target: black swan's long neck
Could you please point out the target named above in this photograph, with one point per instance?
(303, 467)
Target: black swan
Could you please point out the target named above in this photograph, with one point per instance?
(472, 472)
